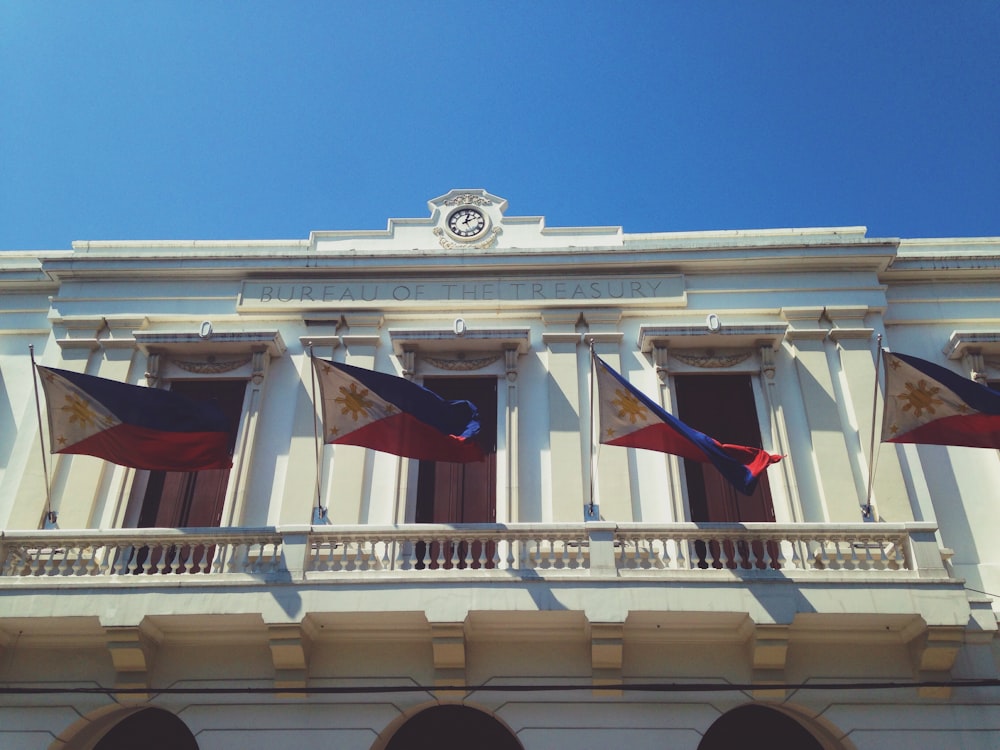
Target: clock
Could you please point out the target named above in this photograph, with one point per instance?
(467, 223)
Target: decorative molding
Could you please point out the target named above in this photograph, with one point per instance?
(486, 242)
(467, 199)
(510, 362)
(662, 361)
(711, 360)
(767, 366)
(461, 364)
(727, 337)
(960, 342)
(230, 342)
(447, 342)
(210, 366)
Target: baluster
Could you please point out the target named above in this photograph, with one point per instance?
(48, 565)
(78, 563)
(363, 555)
(562, 558)
(277, 557)
(202, 566)
(533, 550)
(126, 559)
(462, 552)
(682, 560)
(335, 555)
(770, 545)
(441, 546)
(92, 562)
(798, 560)
(898, 559)
(240, 562)
(816, 550)
(722, 559)
(636, 561)
(549, 553)
(507, 553)
(869, 544)
(176, 560)
(838, 555)
(582, 549)
(877, 555)
(222, 553)
(782, 560)
(662, 548)
(650, 552)
(407, 551)
(131, 561)
(189, 562)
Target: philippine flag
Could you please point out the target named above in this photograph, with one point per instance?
(145, 428)
(927, 403)
(630, 419)
(391, 414)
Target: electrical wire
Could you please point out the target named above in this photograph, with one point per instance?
(656, 687)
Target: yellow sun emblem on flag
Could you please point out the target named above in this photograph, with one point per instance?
(79, 411)
(628, 406)
(920, 398)
(354, 402)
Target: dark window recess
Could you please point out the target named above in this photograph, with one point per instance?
(178, 499)
(462, 492)
(722, 407)
(453, 726)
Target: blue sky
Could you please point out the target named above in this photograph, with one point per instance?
(204, 119)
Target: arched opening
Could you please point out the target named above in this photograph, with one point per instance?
(766, 726)
(150, 729)
(453, 726)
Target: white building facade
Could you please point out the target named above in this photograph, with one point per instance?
(554, 595)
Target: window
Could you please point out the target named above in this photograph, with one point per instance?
(178, 499)
(721, 406)
(466, 492)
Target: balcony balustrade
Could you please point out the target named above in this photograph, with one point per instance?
(428, 551)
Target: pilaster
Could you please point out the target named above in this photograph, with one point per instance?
(613, 481)
(831, 462)
(566, 425)
(347, 490)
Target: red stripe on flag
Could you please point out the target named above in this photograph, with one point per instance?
(405, 435)
(664, 438)
(156, 450)
(970, 431)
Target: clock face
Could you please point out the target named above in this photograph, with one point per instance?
(466, 222)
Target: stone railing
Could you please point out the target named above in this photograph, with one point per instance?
(432, 550)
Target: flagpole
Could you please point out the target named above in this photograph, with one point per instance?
(49, 515)
(593, 448)
(320, 511)
(866, 509)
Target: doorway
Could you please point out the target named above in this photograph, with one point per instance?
(462, 493)
(722, 407)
